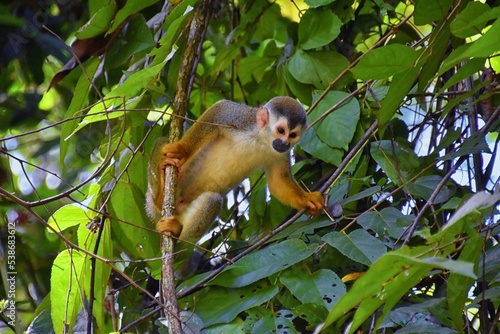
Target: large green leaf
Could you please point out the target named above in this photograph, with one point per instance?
(425, 186)
(385, 62)
(487, 45)
(399, 163)
(312, 144)
(358, 245)
(388, 221)
(264, 262)
(318, 68)
(472, 20)
(318, 28)
(338, 127)
(323, 288)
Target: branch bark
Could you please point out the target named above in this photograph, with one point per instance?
(187, 70)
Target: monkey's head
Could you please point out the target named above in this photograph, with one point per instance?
(283, 120)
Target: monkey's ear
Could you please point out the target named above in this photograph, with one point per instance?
(262, 117)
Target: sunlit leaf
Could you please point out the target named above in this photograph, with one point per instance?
(472, 20)
(318, 28)
(318, 68)
(375, 64)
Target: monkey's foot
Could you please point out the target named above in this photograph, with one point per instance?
(169, 225)
(170, 161)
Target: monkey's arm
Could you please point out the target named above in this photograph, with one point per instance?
(283, 186)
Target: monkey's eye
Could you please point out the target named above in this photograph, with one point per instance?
(281, 131)
(293, 135)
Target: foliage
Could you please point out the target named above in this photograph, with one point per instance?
(403, 135)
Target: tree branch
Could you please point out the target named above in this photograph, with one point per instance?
(181, 101)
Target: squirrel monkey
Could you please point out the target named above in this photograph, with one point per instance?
(221, 149)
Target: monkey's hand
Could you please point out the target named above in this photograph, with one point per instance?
(315, 202)
(169, 225)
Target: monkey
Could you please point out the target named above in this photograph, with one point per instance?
(228, 143)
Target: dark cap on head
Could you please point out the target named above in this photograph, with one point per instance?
(288, 107)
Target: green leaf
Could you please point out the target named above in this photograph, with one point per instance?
(281, 322)
(98, 23)
(136, 38)
(375, 64)
(312, 144)
(359, 245)
(264, 262)
(427, 11)
(474, 144)
(318, 28)
(338, 127)
(78, 102)
(424, 187)
(369, 192)
(470, 67)
(225, 304)
(399, 163)
(399, 88)
(127, 205)
(131, 88)
(131, 7)
(173, 24)
(388, 221)
(485, 46)
(318, 68)
(458, 286)
(66, 288)
(318, 3)
(479, 201)
(472, 20)
(323, 288)
(68, 216)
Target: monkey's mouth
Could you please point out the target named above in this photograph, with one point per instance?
(280, 146)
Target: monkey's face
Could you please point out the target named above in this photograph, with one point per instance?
(284, 137)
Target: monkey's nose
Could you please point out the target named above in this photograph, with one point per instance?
(280, 145)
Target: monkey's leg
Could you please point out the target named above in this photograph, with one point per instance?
(197, 216)
(196, 219)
